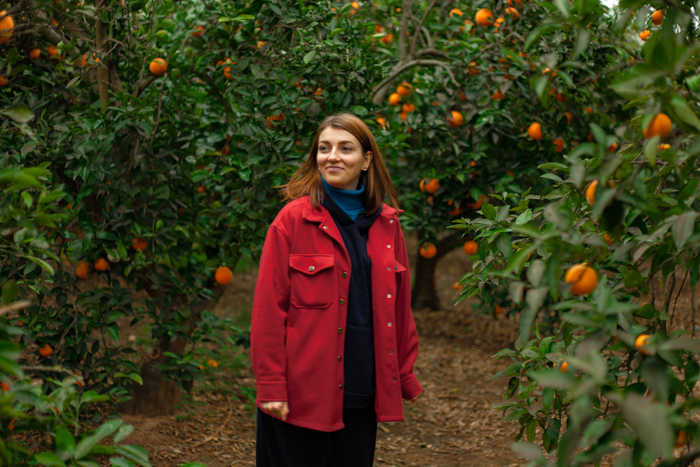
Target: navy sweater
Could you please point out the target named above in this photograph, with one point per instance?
(360, 379)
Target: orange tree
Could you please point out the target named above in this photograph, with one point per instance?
(462, 92)
(605, 252)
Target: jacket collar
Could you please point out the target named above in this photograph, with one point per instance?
(322, 215)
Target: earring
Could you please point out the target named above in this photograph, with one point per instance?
(364, 168)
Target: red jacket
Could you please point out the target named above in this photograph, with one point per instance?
(297, 337)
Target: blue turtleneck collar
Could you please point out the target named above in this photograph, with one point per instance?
(349, 201)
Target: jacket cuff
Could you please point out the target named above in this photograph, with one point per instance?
(410, 387)
(272, 391)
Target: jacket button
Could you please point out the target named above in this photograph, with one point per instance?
(391, 221)
(341, 386)
(396, 267)
(340, 358)
(388, 268)
(389, 324)
(325, 227)
(342, 302)
(345, 274)
(340, 330)
(394, 379)
(388, 246)
(388, 295)
(391, 352)
(311, 268)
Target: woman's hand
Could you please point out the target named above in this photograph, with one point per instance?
(413, 401)
(279, 409)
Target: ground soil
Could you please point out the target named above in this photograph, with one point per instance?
(452, 424)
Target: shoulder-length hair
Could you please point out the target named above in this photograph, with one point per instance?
(307, 179)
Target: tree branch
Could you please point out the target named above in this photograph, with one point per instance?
(420, 26)
(100, 41)
(403, 33)
(144, 84)
(380, 90)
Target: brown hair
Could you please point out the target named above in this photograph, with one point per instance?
(307, 179)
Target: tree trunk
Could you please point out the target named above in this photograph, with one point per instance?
(159, 396)
(424, 293)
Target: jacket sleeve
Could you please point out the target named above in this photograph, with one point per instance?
(268, 326)
(407, 337)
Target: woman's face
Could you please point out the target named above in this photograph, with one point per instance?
(340, 158)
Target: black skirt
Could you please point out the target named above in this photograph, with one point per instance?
(280, 444)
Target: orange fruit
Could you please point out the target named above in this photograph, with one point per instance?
(45, 351)
(198, 31)
(660, 125)
(158, 66)
(569, 117)
(395, 98)
(52, 51)
(82, 270)
(456, 286)
(7, 22)
(588, 110)
(223, 275)
(583, 279)
(212, 363)
(261, 44)
(201, 189)
(590, 136)
(139, 244)
(681, 440)
(355, 5)
(432, 185)
(561, 97)
(428, 250)
(497, 96)
(499, 310)
(35, 54)
(470, 247)
(101, 264)
(657, 17)
(227, 73)
(612, 147)
(455, 11)
(641, 343)
(484, 17)
(430, 200)
(559, 145)
(408, 108)
(403, 115)
(644, 35)
(455, 118)
(3, 81)
(4, 386)
(535, 131)
(608, 239)
(421, 185)
(590, 192)
(381, 120)
(513, 12)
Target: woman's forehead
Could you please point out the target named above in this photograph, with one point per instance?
(332, 135)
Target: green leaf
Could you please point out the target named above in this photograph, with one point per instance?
(50, 459)
(489, 211)
(583, 35)
(119, 462)
(649, 421)
(107, 429)
(123, 432)
(9, 292)
(524, 218)
(683, 110)
(18, 113)
(64, 441)
(683, 228)
(539, 31)
(85, 446)
(309, 56)
(44, 265)
(528, 451)
(553, 378)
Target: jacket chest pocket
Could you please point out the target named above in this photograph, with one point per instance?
(311, 280)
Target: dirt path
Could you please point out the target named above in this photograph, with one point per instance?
(452, 424)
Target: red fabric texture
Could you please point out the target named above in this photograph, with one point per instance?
(298, 321)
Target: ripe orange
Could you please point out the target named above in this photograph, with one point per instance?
(590, 192)
(663, 146)
(659, 125)
(561, 97)
(657, 17)
(3, 81)
(4, 386)
(386, 39)
(588, 110)
(590, 136)
(381, 121)
(499, 310)
(432, 185)
(569, 117)
(513, 12)
(158, 66)
(82, 270)
(227, 73)
(212, 363)
(612, 147)
(403, 115)
(7, 22)
(535, 131)
(498, 96)
(34, 54)
(223, 275)
(470, 247)
(428, 250)
(408, 108)
(261, 44)
(199, 29)
(395, 98)
(52, 50)
(201, 189)
(457, 286)
(484, 17)
(564, 367)
(101, 264)
(430, 200)
(583, 279)
(559, 145)
(45, 351)
(608, 239)
(139, 244)
(455, 118)
(644, 35)
(641, 343)
(455, 11)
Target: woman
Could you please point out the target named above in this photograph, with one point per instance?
(333, 341)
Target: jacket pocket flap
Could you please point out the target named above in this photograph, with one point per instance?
(310, 264)
(398, 267)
